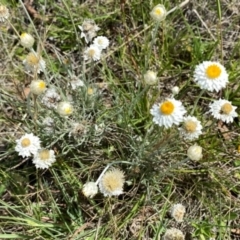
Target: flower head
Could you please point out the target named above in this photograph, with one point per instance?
(173, 234)
(167, 113)
(4, 13)
(191, 128)
(65, 109)
(150, 77)
(92, 53)
(88, 30)
(177, 212)
(158, 13)
(76, 83)
(101, 42)
(194, 152)
(28, 144)
(44, 158)
(175, 90)
(51, 98)
(37, 87)
(34, 62)
(90, 189)
(111, 183)
(211, 76)
(26, 40)
(223, 110)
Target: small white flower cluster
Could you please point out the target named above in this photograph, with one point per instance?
(29, 145)
(88, 31)
(110, 184)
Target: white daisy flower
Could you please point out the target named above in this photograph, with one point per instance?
(168, 113)
(111, 183)
(150, 77)
(158, 13)
(4, 13)
(38, 87)
(191, 128)
(90, 189)
(92, 53)
(51, 98)
(26, 40)
(211, 76)
(194, 152)
(173, 234)
(34, 62)
(27, 145)
(65, 109)
(101, 42)
(177, 212)
(44, 158)
(88, 30)
(223, 110)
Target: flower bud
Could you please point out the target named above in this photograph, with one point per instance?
(195, 152)
(26, 40)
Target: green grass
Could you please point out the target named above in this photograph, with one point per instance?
(115, 124)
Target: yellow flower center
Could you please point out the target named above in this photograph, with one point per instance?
(91, 52)
(158, 11)
(23, 35)
(68, 110)
(166, 108)
(3, 10)
(42, 85)
(32, 59)
(25, 142)
(226, 108)
(89, 91)
(190, 126)
(44, 154)
(213, 71)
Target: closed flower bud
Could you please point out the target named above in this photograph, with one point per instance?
(26, 40)
(195, 153)
(175, 90)
(150, 78)
(90, 189)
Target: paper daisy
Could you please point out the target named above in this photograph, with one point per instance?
(158, 13)
(90, 189)
(101, 42)
(92, 53)
(211, 76)
(34, 62)
(51, 98)
(173, 234)
(38, 87)
(194, 152)
(150, 77)
(177, 212)
(76, 83)
(26, 40)
(27, 145)
(168, 113)
(191, 128)
(223, 110)
(111, 183)
(44, 158)
(4, 13)
(65, 109)
(88, 30)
